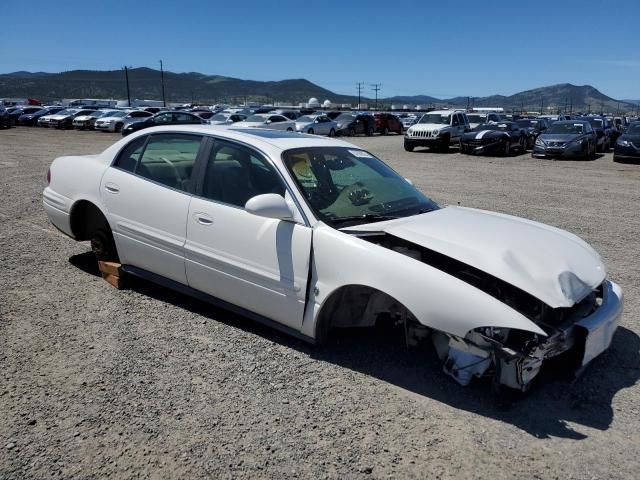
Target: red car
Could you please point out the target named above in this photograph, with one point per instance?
(387, 122)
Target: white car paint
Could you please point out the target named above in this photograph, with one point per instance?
(269, 120)
(432, 132)
(290, 271)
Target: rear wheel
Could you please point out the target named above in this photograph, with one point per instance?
(310, 131)
(332, 133)
(103, 246)
(289, 129)
(385, 131)
(523, 144)
(352, 132)
(507, 148)
(370, 132)
(118, 127)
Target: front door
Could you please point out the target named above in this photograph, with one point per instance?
(147, 195)
(260, 264)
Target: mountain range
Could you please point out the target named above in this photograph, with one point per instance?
(200, 88)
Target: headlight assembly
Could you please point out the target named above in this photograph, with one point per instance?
(623, 143)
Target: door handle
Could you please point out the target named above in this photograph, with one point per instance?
(203, 218)
(111, 187)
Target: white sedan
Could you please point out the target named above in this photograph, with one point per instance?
(271, 121)
(316, 125)
(311, 235)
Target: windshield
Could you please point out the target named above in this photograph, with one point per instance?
(490, 126)
(527, 123)
(345, 118)
(596, 123)
(436, 118)
(256, 118)
(305, 119)
(566, 128)
(349, 186)
(219, 118)
(65, 112)
(476, 118)
(634, 129)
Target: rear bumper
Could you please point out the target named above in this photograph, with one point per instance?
(57, 207)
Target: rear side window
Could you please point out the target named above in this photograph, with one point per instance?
(129, 157)
(166, 158)
(169, 159)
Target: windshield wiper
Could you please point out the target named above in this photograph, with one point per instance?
(366, 218)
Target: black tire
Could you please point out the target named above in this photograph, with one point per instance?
(103, 246)
(310, 131)
(332, 133)
(289, 129)
(370, 132)
(523, 144)
(352, 132)
(118, 128)
(463, 149)
(507, 148)
(385, 131)
(443, 146)
(408, 147)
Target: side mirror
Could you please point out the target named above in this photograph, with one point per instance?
(270, 205)
(268, 122)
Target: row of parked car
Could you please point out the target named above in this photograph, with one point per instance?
(129, 120)
(547, 136)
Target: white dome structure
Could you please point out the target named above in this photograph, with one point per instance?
(313, 102)
(327, 103)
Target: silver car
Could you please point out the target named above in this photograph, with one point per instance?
(316, 125)
(226, 118)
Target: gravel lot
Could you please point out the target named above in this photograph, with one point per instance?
(96, 382)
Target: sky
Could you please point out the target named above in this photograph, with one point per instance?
(437, 48)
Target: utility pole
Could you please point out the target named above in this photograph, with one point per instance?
(126, 77)
(468, 101)
(571, 107)
(541, 106)
(359, 87)
(164, 100)
(376, 88)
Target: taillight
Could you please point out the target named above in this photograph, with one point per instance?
(49, 177)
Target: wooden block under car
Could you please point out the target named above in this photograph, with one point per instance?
(110, 268)
(114, 280)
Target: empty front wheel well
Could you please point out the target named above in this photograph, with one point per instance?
(356, 306)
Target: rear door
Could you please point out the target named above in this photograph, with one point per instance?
(147, 192)
(260, 264)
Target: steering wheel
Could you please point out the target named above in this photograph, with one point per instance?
(356, 193)
(175, 170)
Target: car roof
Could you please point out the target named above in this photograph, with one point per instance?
(258, 137)
(443, 112)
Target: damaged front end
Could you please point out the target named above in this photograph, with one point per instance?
(514, 357)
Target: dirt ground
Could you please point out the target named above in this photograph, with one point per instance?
(147, 383)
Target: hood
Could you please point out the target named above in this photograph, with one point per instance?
(483, 133)
(82, 118)
(554, 266)
(249, 124)
(429, 126)
(58, 117)
(108, 119)
(303, 124)
(558, 137)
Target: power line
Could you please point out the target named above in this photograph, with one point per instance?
(359, 86)
(376, 88)
(164, 100)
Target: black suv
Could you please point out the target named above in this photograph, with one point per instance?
(351, 124)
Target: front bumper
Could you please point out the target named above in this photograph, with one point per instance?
(106, 127)
(567, 151)
(492, 147)
(423, 141)
(626, 153)
(598, 328)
